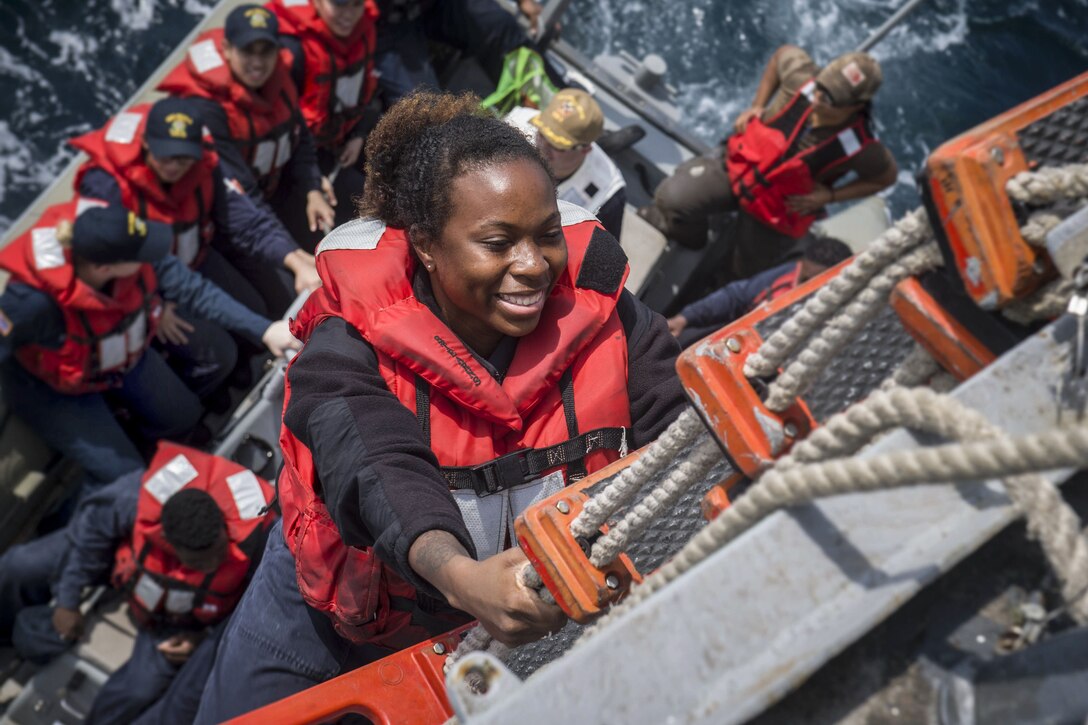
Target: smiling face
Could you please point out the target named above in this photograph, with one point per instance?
(341, 18)
(500, 253)
(252, 65)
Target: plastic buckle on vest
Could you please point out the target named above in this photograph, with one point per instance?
(500, 473)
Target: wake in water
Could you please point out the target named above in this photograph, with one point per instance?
(67, 65)
(948, 66)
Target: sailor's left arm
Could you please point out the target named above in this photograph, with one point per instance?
(102, 522)
(253, 230)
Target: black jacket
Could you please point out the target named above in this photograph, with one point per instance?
(377, 475)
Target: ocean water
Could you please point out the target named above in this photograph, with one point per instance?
(67, 65)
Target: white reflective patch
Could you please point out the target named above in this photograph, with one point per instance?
(263, 157)
(171, 478)
(179, 601)
(574, 196)
(295, 3)
(205, 56)
(136, 334)
(186, 245)
(356, 234)
(48, 253)
(248, 494)
(809, 90)
(123, 127)
(347, 89)
(283, 150)
(148, 592)
(851, 144)
(112, 353)
(486, 520)
(83, 204)
(573, 214)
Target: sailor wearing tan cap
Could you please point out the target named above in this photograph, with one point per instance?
(805, 142)
(566, 132)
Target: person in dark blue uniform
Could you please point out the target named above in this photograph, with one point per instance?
(252, 255)
(107, 251)
(182, 552)
(249, 103)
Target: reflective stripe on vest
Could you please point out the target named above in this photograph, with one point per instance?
(164, 591)
(766, 163)
(104, 335)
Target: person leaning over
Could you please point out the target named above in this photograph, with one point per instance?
(76, 320)
(181, 540)
(248, 102)
(470, 316)
(481, 29)
(736, 299)
(566, 132)
(805, 142)
(154, 160)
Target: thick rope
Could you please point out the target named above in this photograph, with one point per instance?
(1039, 225)
(907, 233)
(1049, 184)
(664, 496)
(829, 341)
(623, 487)
(1046, 303)
(1049, 518)
(845, 433)
(476, 639)
(917, 368)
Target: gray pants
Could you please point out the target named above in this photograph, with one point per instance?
(700, 187)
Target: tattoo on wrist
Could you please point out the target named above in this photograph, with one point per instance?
(432, 551)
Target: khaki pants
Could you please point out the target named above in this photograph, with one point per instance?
(700, 187)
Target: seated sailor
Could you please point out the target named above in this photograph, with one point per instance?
(181, 540)
(80, 310)
(154, 161)
(248, 102)
(806, 142)
(566, 132)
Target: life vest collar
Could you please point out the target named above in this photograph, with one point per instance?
(397, 323)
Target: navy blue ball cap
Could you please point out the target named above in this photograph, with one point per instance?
(109, 234)
(249, 23)
(174, 128)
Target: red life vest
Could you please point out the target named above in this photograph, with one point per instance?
(339, 78)
(781, 285)
(161, 590)
(766, 164)
(264, 124)
(560, 411)
(105, 335)
(117, 149)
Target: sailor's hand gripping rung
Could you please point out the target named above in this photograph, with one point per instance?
(582, 590)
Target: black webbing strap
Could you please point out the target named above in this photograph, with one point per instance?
(423, 408)
(576, 470)
(523, 466)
